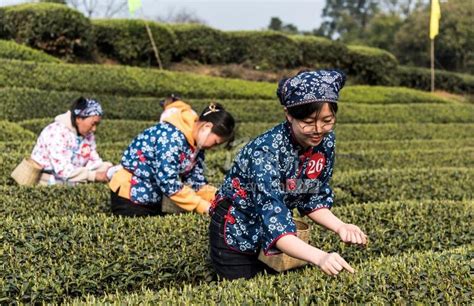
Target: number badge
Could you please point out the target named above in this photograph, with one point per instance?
(315, 165)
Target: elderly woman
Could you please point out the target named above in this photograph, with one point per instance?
(288, 167)
(66, 149)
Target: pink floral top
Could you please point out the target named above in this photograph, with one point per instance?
(62, 151)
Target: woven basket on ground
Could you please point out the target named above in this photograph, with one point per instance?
(27, 173)
(279, 261)
(169, 207)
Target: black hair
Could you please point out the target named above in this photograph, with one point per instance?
(170, 99)
(78, 104)
(222, 120)
(279, 91)
(301, 112)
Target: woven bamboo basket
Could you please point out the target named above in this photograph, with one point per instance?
(169, 207)
(27, 173)
(279, 261)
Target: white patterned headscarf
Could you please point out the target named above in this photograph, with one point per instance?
(92, 108)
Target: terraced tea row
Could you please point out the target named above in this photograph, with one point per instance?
(139, 82)
(421, 277)
(349, 188)
(219, 162)
(343, 147)
(21, 104)
(126, 130)
(48, 258)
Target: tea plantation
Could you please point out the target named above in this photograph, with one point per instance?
(404, 173)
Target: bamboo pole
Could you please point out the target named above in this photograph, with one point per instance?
(432, 67)
(153, 44)
(152, 40)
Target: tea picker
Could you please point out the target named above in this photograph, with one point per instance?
(288, 167)
(65, 151)
(163, 167)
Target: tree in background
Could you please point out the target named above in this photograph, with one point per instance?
(182, 15)
(360, 21)
(277, 25)
(347, 19)
(290, 28)
(381, 31)
(99, 8)
(402, 8)
(454, 45)
(402, 27)
(54, 1)
(383, 26)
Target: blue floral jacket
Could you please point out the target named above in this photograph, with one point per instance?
(162, 162)
(271, 176)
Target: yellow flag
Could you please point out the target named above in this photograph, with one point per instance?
(134, 5)
(435, 17)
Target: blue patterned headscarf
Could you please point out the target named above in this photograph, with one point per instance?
(92, 108)
(311, 86)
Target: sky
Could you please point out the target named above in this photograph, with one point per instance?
(234, 14)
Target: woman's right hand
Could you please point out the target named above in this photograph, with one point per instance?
(333, 263)
(330, 263)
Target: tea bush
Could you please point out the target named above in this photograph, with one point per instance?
(343, 147)
(127, 41)
(77, 255)
(10, 131)
(126, 130)
(422, 277)
(9, 49)
(20, 104)
(319, 52)
(200, 43)
(263, 49)
(371, 65)
(53, 28)
(417, 77)
(126, 81)
(358, 186)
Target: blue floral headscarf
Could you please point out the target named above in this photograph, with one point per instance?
(311, 86)
(92, 108)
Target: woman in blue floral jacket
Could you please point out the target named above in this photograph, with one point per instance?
(167, 160)
(288, 167)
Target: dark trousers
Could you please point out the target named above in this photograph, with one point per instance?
(125, 207)
(227, 263)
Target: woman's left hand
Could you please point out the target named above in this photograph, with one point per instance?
(351, 233)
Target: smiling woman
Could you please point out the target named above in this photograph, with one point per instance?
(310, 130)
(66, 149)
(288, 167)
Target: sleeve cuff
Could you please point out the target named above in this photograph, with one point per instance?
(274, 241)
(203, 207)
(188, 200)
(318, 208)
(207, 192)
(91, 176)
